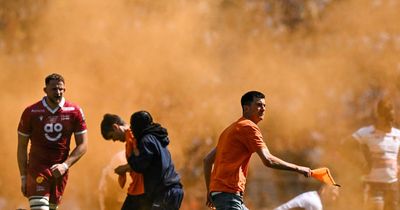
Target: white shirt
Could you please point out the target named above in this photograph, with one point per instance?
(383, 148)
(308, 201)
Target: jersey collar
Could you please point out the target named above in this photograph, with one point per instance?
(375, 130)
(61, 104)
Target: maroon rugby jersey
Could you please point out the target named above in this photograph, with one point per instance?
(50, 131)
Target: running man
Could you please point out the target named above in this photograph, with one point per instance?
(48, 125)
(226, 183)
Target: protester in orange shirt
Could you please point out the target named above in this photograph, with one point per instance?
(232, 154)
(114, 128)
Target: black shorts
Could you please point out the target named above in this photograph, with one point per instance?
(136, 202)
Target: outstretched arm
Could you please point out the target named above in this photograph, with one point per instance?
(207, 167)
(81, 141)
(271, 161)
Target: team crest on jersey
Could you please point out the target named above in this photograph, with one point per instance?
(41, 118)
(52, 119)
(39, 179)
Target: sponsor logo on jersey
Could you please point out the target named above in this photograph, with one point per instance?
(37, 110)
(39, 179)
(50, 128)
(65, 117)
(68, 108)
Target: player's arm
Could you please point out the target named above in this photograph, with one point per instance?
(271, 161)
(81, 141)
(398, 162)
(355, 152)
(207, 167)
(365, 161)
(22, 154)
(22, 157)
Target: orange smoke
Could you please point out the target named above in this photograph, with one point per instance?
(188, 63)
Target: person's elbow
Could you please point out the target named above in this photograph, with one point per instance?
(268, 163)
(266, 157)
(83, 146)
(81, 141)
(207, 161)
(268, 160)
(137, 165)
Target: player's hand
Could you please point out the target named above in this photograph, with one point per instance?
(58, 170)
(304, 170)
(209, 202)
(122, 169)
(23, 185)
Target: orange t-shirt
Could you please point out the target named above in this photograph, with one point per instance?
(235, 146)
(137, 185)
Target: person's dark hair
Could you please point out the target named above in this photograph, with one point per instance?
(140, 121)
(384, 106)
(248, 97)
(107, 123)
(54, 76)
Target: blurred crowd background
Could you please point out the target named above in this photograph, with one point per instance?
(321, 63)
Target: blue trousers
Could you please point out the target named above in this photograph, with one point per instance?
(228, 201)
(169, 200)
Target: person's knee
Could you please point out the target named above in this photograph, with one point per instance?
(39, 202)
(376, 203)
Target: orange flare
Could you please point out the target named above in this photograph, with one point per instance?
(323, 175)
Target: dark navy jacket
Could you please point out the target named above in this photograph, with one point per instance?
(155, 163)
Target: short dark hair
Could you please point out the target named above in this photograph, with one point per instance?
(107, 123)
(383, 106)
(54, 76)
(248, 97)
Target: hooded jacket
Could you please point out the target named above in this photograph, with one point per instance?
(154, 161)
